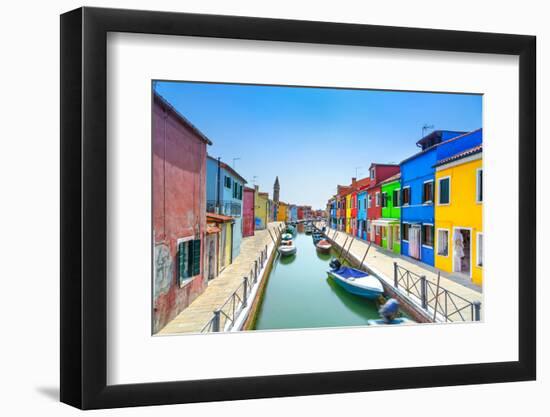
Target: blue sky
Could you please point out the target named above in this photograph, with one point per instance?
(314, 138)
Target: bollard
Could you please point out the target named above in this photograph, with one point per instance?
(477, 310)
(255, 270)
(423, 292)
(395, 280)
(245, 291)
(216, 321)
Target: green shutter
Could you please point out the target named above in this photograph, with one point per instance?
(183, 271)
(444, 191)
(195, 257)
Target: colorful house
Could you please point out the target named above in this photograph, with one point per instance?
(282, 211)
(179, 212)
(377, 174)
(458, 214)
(261, 209)
(218, 244)
(293, 211)
(248, 212)
(390, 222)
(362, 213)
(224, 195)
(348, 213)
(418, 192)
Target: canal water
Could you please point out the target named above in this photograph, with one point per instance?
(299, 294)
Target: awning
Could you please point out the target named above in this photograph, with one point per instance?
(211, 229)
(385, 222)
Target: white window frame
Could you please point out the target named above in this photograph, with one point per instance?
(442, 229)
(478, 235)
(187, 280)
(377, 199)
(410, 195)
(478, 170)
(428, 202)
(421, 235)
(398, 205)
(439, 203)
(372, 173)
(369, 200)
(403, 229)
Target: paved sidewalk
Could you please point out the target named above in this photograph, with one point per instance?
(380, 261)
(194, 317)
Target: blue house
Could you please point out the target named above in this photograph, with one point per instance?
(224, 195)
(362, 214)
(418, 192)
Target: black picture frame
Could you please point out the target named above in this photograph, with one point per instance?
(84, 207)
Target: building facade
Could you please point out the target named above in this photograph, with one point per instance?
(179, 222)
(261, 209)
(390, 221)
(248, 211)
(458, 214)
(377, 174)
(224, 195)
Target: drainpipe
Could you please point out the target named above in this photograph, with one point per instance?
(218, 187)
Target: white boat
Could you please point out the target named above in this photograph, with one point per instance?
(287, 248)
(355, 281)
(323, 246)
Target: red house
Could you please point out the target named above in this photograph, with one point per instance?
(248, 212)
(377, 174)
(179, 212)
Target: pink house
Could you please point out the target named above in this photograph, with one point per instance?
(248, 212)
(179, 212)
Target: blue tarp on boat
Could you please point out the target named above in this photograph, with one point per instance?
(347, 272)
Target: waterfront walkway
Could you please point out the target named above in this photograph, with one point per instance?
(194, 317)
(380, 261)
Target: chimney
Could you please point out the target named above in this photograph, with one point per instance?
(353, 181)
(257, 188)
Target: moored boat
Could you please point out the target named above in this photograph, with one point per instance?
(323, 246)
(355, 281)
(286, 236)
(287, 248)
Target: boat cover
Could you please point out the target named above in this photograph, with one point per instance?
(347, 272)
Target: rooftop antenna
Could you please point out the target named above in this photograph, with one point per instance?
(425, 128)
(254, 179)
(357, 171)
(235, 159)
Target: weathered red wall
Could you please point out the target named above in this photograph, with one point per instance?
(179, 206)
(248, 212)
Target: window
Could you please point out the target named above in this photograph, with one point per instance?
(406, 196)
(372, 173)
(428, 192)
(428, 235)
(227, 181)
(479, 185)
(369, 201)
(384, 199)
(479, 256)
(378, 200)
(406, 228)
(369, 225)
(396, 198)
(384, 232)
(189, 260)
(442, 242)
(377, 230)
(444, 196)
(396, 232)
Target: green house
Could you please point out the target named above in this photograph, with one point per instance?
(391, 214)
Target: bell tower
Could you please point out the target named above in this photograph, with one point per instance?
(276, 189)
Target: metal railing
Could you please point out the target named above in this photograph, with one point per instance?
(225, 317)
(442, 302)
(225, 207)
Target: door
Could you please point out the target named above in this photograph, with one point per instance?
(462, 253)
(223, 247)
(414, 241)
(389, 236)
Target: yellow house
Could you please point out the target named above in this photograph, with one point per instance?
(348, 213)
(282, 212)
(261, 208)
(458, 215)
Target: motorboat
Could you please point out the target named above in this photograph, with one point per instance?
(287, 248)
(323, 246)
(355, 281)
(286, 236)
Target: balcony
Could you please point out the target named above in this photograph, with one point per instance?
(227, 208)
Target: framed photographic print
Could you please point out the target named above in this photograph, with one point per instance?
(257, 207)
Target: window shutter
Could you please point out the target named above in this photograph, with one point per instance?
(195, 257)
(183, 270)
